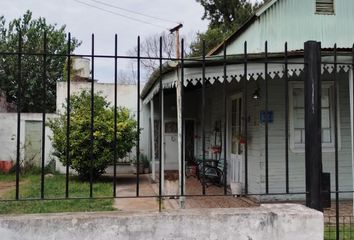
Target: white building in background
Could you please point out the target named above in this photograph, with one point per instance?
(31, 123)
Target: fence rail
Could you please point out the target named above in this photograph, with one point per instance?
(337, 227)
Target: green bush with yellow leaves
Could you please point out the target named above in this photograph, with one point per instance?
(80, 134)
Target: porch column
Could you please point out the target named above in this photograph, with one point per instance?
(313, 142)
(179, 138)
(152, 123)
(351, 89)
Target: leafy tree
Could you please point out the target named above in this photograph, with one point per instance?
(225, 17)
(226, 13)
(80, 140)
(32, 31)
(212, 37)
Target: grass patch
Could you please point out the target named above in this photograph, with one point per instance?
(345, 232)
(55, 188)
(7, 177)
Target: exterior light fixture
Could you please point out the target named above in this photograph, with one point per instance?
(256, 94)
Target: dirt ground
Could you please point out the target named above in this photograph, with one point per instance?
(5, 187)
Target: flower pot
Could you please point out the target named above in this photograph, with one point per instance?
(243, 141)
(236, 188)
(192, 170)
(6, 166)
(216, 149)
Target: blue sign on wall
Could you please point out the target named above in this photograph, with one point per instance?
(263, 116)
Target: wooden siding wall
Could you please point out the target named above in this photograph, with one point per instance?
(297, 160)
(256, 135)
(295, 22)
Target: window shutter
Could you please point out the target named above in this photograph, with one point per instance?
(325, 6)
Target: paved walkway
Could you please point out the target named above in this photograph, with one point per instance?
(127, 187)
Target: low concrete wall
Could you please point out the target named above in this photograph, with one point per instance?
(268, 222)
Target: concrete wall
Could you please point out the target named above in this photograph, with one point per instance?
(8, 135)
(127, 96)
(268, 222)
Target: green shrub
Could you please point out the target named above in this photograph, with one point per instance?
(145, 161)
(80, 134)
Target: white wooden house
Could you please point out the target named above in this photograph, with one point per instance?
(277, 22)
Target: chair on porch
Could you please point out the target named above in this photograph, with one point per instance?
(212, 173)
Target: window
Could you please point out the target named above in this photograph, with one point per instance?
(325, 6)
(297, 117)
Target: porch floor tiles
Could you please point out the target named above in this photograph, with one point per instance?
(126, 186)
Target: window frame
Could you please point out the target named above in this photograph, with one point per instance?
(326, 147)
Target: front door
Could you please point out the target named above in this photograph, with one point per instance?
(171, 145)
(236, 138)
(33, 142)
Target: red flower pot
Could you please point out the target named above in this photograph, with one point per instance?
(216, 149)
(6, 166)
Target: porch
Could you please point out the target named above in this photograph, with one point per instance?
(256, 123)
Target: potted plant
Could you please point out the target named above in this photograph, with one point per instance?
(145, 161)
(241, 139)
(134, 164)
(6, 166)
(236, 188)
(192, 168)
(216, 149)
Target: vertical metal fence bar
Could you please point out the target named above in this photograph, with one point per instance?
(245, 115)
(335, 88)
(161, 142)
(138, 120)
(353, 105)
(203, 116)
(92, 111)
(266, 118)
(115, 116)
(350, 226)
(68, 117)
(44, 102)
(182, 117)
(19, 108)
(286, 80)
(225, 121)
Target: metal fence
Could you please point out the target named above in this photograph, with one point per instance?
(337, 226)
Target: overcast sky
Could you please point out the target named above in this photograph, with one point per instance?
(83, 20)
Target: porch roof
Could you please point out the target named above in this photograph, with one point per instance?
(235, 68)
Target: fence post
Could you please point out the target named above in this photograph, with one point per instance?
(313, 141)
